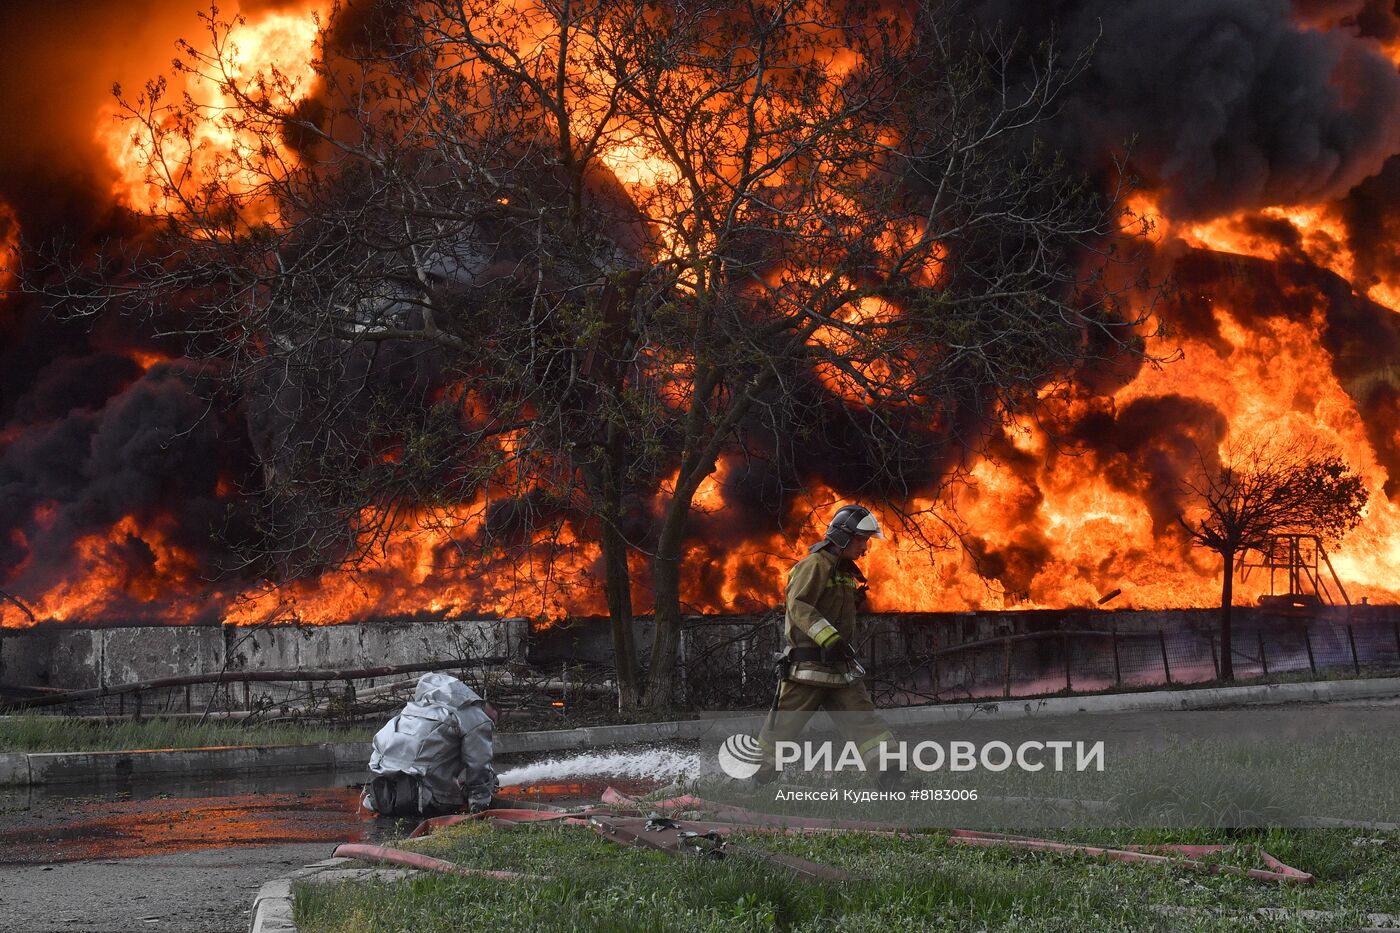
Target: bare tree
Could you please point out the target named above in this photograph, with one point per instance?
(528, 273)
(1259, 488)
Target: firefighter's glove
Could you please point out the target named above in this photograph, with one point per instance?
(839, 651)
(862, 594)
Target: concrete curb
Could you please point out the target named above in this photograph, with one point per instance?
(272, 908)
(272, 905)
(34, 768)
(83, 767)
(14, 770)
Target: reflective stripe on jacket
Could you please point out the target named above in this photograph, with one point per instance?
(821, 606)
(444, 739)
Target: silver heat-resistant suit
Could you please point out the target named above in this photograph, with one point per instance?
(442, 738)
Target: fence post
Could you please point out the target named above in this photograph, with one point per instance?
(1006, 687)
(1064, 643)
(1351, 640)
(1307, 640)
(744, 664)
(136, 714)
(935, 673)
(1263, 658)
(1117, 668)
(1166, 667)
(1215, 656)
(1395, 626)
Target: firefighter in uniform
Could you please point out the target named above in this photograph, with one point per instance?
(818, 670)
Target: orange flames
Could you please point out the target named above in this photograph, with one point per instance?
(1268, 376)
(9, 246)
(153, 176)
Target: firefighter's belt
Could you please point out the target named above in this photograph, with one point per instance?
(809, 655)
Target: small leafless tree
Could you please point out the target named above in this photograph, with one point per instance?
(527, 272)
(1259, 488)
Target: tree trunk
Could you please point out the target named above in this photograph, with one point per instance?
(1227, 597)
(606, 474)
(617, 584)
(617, 576)
(666, 590)
(666, 587)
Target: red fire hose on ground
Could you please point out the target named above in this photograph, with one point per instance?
(739, 819)
(386, 856)
(1147, 854)
(503, 816)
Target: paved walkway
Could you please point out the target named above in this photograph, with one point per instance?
(205, 891)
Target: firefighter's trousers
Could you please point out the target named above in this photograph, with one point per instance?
(850, 707)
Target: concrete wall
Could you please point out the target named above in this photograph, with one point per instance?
(78, 659)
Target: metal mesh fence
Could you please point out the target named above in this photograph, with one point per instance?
(728, 665)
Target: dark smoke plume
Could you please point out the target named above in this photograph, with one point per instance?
(126, 444)
(1232, 104)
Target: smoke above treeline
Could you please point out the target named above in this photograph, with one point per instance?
(1225, 108)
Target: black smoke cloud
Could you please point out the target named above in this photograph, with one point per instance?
(147, 445)
(89, 435)
(1229, 104)
(1372, 212)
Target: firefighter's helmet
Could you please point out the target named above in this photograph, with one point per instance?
(850, 521)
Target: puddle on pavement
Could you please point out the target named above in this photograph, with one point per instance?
(126, 819)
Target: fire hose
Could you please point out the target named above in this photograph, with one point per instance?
(677, 837)
(1277, 870)
(386, 856)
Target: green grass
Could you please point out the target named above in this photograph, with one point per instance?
(917, 883)
(38, 733)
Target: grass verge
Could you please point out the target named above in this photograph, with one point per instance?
(914, 883)
(39, 733)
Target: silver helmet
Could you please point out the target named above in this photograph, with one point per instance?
(850, 521)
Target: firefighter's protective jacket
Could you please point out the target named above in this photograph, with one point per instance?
(444, 739)
(821, 606)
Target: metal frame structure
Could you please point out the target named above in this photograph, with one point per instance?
(1299, 560)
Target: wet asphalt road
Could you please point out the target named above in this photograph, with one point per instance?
(171, 858)
(185, 858)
